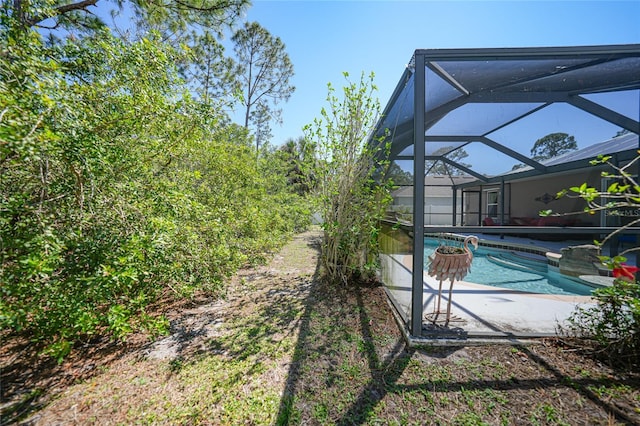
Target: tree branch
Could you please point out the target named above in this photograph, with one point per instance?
(212, 8)
(60, 10)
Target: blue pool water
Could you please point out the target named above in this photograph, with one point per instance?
(510, 270)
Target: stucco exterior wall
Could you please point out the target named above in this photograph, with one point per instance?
(527, 197)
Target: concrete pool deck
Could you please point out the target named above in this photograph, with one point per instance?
(481, 311)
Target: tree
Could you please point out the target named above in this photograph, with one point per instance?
(78, 253)
(264, 74)
(351, 203)
(299, 157)
(399, 176)
(208, 72)
(621, 132)
(437, 167)
(117, 188)
(552, 145)
(261, 117)
(518, 166)
(175, 15)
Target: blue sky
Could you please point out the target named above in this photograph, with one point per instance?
(325, 38)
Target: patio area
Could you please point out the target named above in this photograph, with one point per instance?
(481, 312)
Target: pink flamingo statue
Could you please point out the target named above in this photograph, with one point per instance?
(451, 266)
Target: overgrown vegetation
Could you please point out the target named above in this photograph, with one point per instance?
(351, 202)
(117, 186)
(611, 329)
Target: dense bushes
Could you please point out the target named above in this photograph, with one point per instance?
(117, 186)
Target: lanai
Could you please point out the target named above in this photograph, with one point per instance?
(488, 102)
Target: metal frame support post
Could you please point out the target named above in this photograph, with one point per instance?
(502, 197)
(454, 213)
(462, 210)
(480, 212)
(415, 326)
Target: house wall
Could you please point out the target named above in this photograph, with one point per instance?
(474, 212)
(527, 196)
(437, 210)
(524, 199)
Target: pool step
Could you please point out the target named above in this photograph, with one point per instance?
(526, 265)
(532, 262)
(532, 258)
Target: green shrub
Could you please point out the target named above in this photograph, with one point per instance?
(611, 328)
(117, 188)
(351, 202)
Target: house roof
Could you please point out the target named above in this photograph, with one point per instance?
(626, 142)
(470, 98)
(625, 147)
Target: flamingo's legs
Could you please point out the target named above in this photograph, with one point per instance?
(437, 310)
(449, 303)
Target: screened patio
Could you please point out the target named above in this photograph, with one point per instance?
(476, 113)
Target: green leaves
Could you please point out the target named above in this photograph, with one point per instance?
(600, 159)
(350, 201)
(117, 187)
(617, 188)
(586, 192)
(171, 17)
(612, 327)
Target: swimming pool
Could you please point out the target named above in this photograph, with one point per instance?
(515, 271)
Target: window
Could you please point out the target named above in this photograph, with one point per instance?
(492, 204)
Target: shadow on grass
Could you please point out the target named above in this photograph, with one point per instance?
(384, 373)
(350, 364)
(343, 369)
(26, 376)
(585, 387)
(335, 319)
